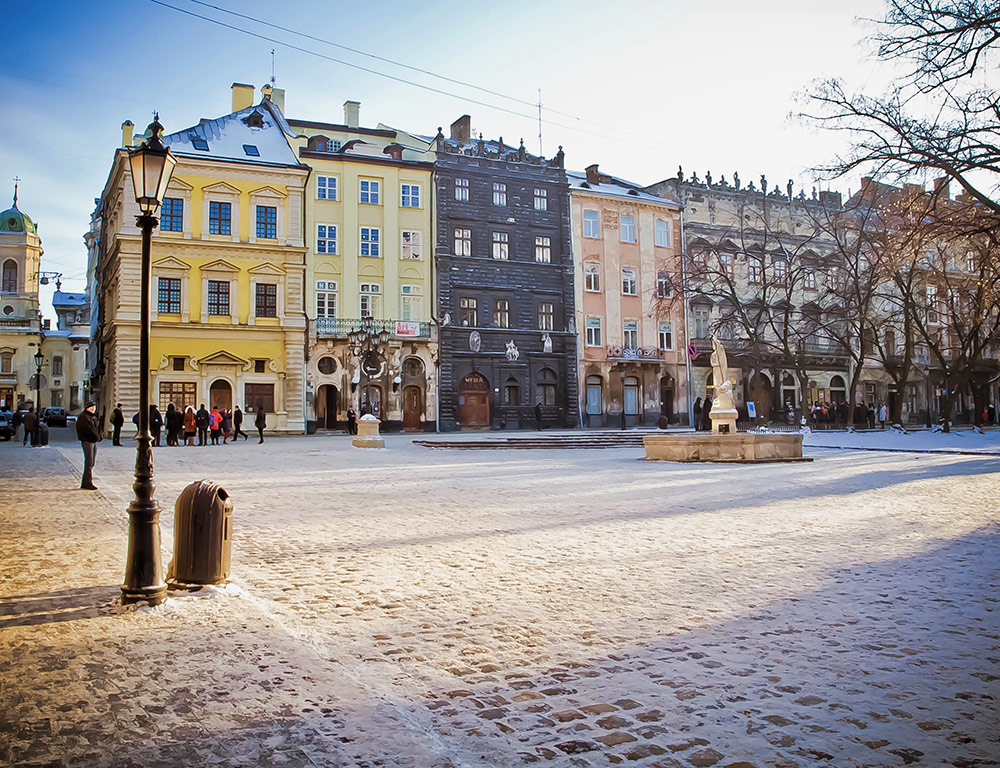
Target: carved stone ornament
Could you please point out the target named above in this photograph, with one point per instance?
(512, 353)
(546, 343)
(475, 341)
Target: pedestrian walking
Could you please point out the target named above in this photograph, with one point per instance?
(238, 425)
(88, 432)
(16, 421)
(227, 425)
(538, 415)
(883, 415)
(260, 422)
(870, 416)
(117, 422)
(215, 424)
(706, 415)
(352, 421)
(203, 418)
(155, 424)
(175, 423)
(696, 409)
(30, 422)
(190, 425)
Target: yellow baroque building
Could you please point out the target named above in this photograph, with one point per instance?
(228, 269)
(369, 208)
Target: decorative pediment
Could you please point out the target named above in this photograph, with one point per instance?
(178, 185)
(171, 263)
(327, 268)
(268, 191)
(411, 273)
(369, 270)
(221, 188)
(222, 358)
(219, 265)
(266, 269)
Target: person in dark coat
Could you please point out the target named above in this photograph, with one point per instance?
(260, 422)
(352, 421)
(238, 425)
(227, 425)
(706, 415)
(88, 432)
(538, 415)
(117, 421)
(175, 423)
(202, 419)
(29, 421)
(155, 424)
(696, 408)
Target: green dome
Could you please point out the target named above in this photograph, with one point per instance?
(12, 220)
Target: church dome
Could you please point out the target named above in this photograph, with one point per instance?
(13, 220)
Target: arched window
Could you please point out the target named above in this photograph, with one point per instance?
(512, 392)
(545, 389)
(413, 366)
(9, 276)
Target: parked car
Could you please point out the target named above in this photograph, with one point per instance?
(6, 427)
(54, 416)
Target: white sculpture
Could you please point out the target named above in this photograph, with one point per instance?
(546, 343)
(512, 351)
(723, 413)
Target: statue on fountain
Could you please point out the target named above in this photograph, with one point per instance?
(723, 413)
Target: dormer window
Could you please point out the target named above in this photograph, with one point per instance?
(254, 120)
(251, 150)
(199, 143)
(333, 146)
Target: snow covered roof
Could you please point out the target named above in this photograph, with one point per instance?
(59, 298)
(257, 134)
(616, 187)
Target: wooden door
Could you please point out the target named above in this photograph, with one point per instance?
(474, 401)
(413, 408)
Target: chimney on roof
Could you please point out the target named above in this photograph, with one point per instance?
(461, 129)
(127, 127)
(242, 96)
(942, 186)
(352, 113)
(274, 95)
(593, 175)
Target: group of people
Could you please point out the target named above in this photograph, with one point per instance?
(702, 415)
(825, 414)
(203, 423)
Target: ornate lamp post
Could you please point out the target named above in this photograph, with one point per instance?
(365, 343)
(39, 359)
(151, 164)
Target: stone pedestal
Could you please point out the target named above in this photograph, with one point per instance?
(723, 422)
(740, 448)
(368, 436)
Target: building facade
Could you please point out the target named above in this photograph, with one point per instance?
(505, 285)
(629, 303)
(228, 270)
(369, 213)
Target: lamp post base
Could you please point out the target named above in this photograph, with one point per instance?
(143, 570)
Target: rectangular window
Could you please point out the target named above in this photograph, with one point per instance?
(594, 332)
(501, 313)
(218, 297)
(370, 191)
(411, 303)
(267, 222)
(411, 244)
(809, 280)
(663, 233)
(541, 199)
(630, 334)
(180, 393)
(370, 299)
(781, 270)
(57, 366)
(7, 362)
(664, 287)
(370, 242)
(220, 218)
(726, 265)
(546, 316)
(326, 238)
(168, 295)
(468, 310)
(701, 322)
(326, 298)
(626, 229)
(463, 242)
(629, 283)
(259, 396)
(409, 196)
(666, 336)
(499, 194)
(172, 215)
(179, 363)
(332, 146)
(500, 245)
(932, 314)
(326, 187)
(266, 300)
(543, 250)
(259, 365)
(755, 271)
(462, 190)
(251, 150)
(592, 278)
(591, 224)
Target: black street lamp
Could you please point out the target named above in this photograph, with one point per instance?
(151, 165)
(39, 359)
(365, 343)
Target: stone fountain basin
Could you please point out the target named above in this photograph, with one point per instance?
(738, 448)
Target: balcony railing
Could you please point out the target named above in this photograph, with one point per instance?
(628, 353)
(339, 327)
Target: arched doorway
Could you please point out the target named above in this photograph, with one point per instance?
(220, 394)
(667, 397)
(474, 401)
(762, 394)
(413, 408)
(326, 407)
(371, 400)
(788, 390)
(838, 390)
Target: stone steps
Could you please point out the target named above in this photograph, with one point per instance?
(612, 440)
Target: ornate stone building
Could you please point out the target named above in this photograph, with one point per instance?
(505, 285)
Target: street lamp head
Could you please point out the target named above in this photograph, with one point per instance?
(152, 165)
(39, 357)
(383, 337)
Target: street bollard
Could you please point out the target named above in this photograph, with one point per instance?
(203, 518)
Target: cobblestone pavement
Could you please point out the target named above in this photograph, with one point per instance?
(440, 609)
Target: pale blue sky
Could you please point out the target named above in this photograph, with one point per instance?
(707, 85)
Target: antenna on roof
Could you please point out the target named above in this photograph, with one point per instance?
(272, 67)
(540, 153)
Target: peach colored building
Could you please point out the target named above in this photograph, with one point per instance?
(629, 304)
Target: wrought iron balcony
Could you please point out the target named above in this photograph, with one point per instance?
(339, 327)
